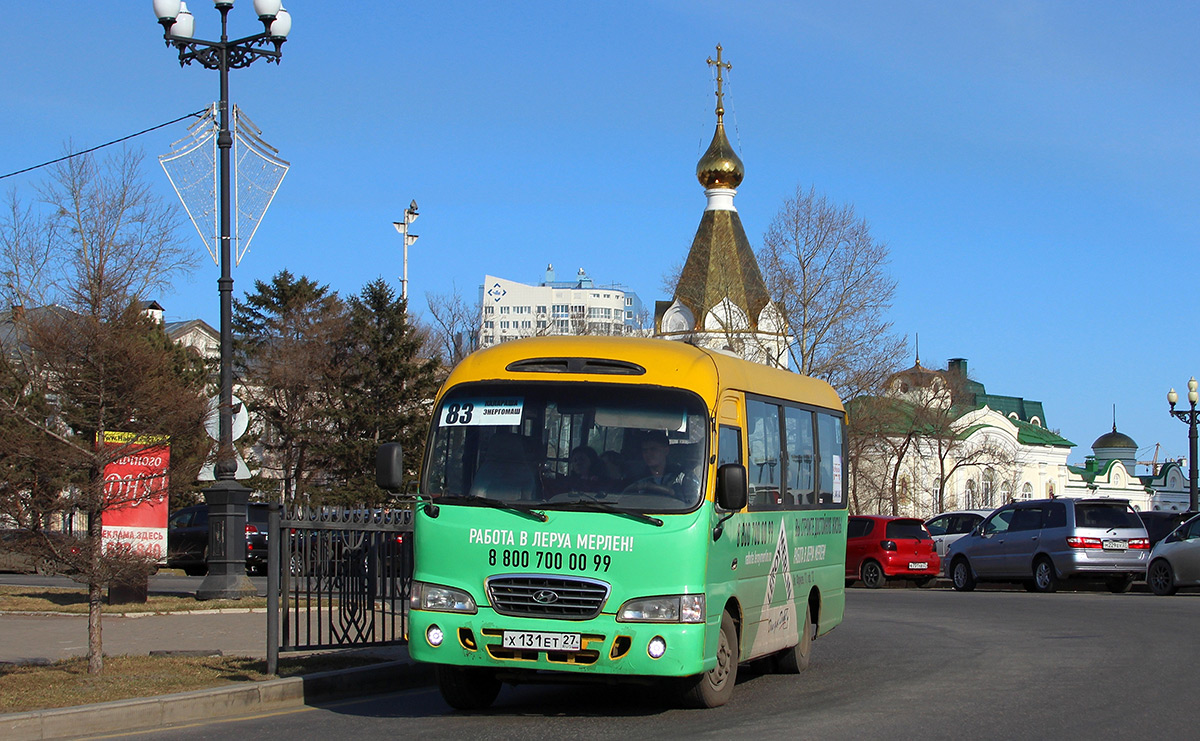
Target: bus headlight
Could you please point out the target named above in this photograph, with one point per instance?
(437, 598)
(676, 608)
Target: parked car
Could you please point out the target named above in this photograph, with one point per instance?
(187, 539)
(950, 526)
(882, 548)
(1175, 561)
(1041, 543)
(45, 553)
(1161, 524)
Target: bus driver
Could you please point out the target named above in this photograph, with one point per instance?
(660, 477)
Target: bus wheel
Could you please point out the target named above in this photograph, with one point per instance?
(714, 688)
(795, 659)
(466, 688)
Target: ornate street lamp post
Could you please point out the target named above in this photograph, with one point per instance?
(1188, 416)
(226, 498)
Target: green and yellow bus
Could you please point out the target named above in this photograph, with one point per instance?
(624, 509)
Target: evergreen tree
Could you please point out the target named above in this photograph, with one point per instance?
(290, 359)
(389, 386)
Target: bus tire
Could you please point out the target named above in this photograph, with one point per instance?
(713, 688)
(467, 688)
(795, 659)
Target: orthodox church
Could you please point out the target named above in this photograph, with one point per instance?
(721, 301)
(1111, 471)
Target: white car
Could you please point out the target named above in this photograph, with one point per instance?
(950, 526)
(1175, 560)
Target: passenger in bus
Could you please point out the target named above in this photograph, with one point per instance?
(612, 471)
(660, 477)
(583, 469)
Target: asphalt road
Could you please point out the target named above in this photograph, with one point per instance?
(906, 663)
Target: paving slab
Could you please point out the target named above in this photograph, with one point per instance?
(32, 638)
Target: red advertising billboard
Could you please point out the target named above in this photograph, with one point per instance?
(135, 495)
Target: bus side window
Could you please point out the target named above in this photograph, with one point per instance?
(829, 447)
(729, 446)
(764, 469)
(798, 426)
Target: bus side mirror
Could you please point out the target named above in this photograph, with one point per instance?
(731, 486)
(389, 467)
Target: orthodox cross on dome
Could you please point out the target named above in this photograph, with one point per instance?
(720, 90)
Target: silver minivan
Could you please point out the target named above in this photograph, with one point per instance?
(1040, 543)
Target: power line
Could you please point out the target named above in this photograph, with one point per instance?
(108, 144)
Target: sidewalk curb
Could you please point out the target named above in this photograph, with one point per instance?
(211, 704)
(140, 614)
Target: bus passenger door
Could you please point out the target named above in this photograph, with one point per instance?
(726, 559)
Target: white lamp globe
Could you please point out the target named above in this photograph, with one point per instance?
(166, 10)
(184, 25)
(267, 9)
(282, 25)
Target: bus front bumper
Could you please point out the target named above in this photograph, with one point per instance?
(605, 645)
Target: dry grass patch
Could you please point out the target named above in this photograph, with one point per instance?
(74, 600)
(67, 683)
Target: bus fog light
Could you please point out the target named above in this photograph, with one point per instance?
(657, 647)
(434, 635)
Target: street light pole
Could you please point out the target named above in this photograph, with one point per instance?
(410, 215)
(226, 498)
(1188, 416)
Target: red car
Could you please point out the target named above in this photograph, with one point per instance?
(882, 548)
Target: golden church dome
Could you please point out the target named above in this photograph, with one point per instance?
(720, 167)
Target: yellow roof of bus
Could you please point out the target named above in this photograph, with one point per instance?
(667, 363)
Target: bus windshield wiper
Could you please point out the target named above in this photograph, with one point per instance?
(525, 510)
(591, 505)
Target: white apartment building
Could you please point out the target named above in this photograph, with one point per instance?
(511, 310)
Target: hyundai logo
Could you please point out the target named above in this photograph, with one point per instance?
(545, 597)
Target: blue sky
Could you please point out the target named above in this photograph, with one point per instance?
(1032, 165)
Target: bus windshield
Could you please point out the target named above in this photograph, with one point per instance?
(569, 446)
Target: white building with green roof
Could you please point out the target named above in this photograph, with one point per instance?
(936, 440)
(1111, 471)
(934, 426)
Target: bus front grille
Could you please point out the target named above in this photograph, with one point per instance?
(547, 596)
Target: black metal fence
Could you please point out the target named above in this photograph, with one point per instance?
(337, 578)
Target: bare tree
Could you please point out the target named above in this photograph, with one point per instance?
(828, 276)
(455, 330)
(99, 243)
(110, 237)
